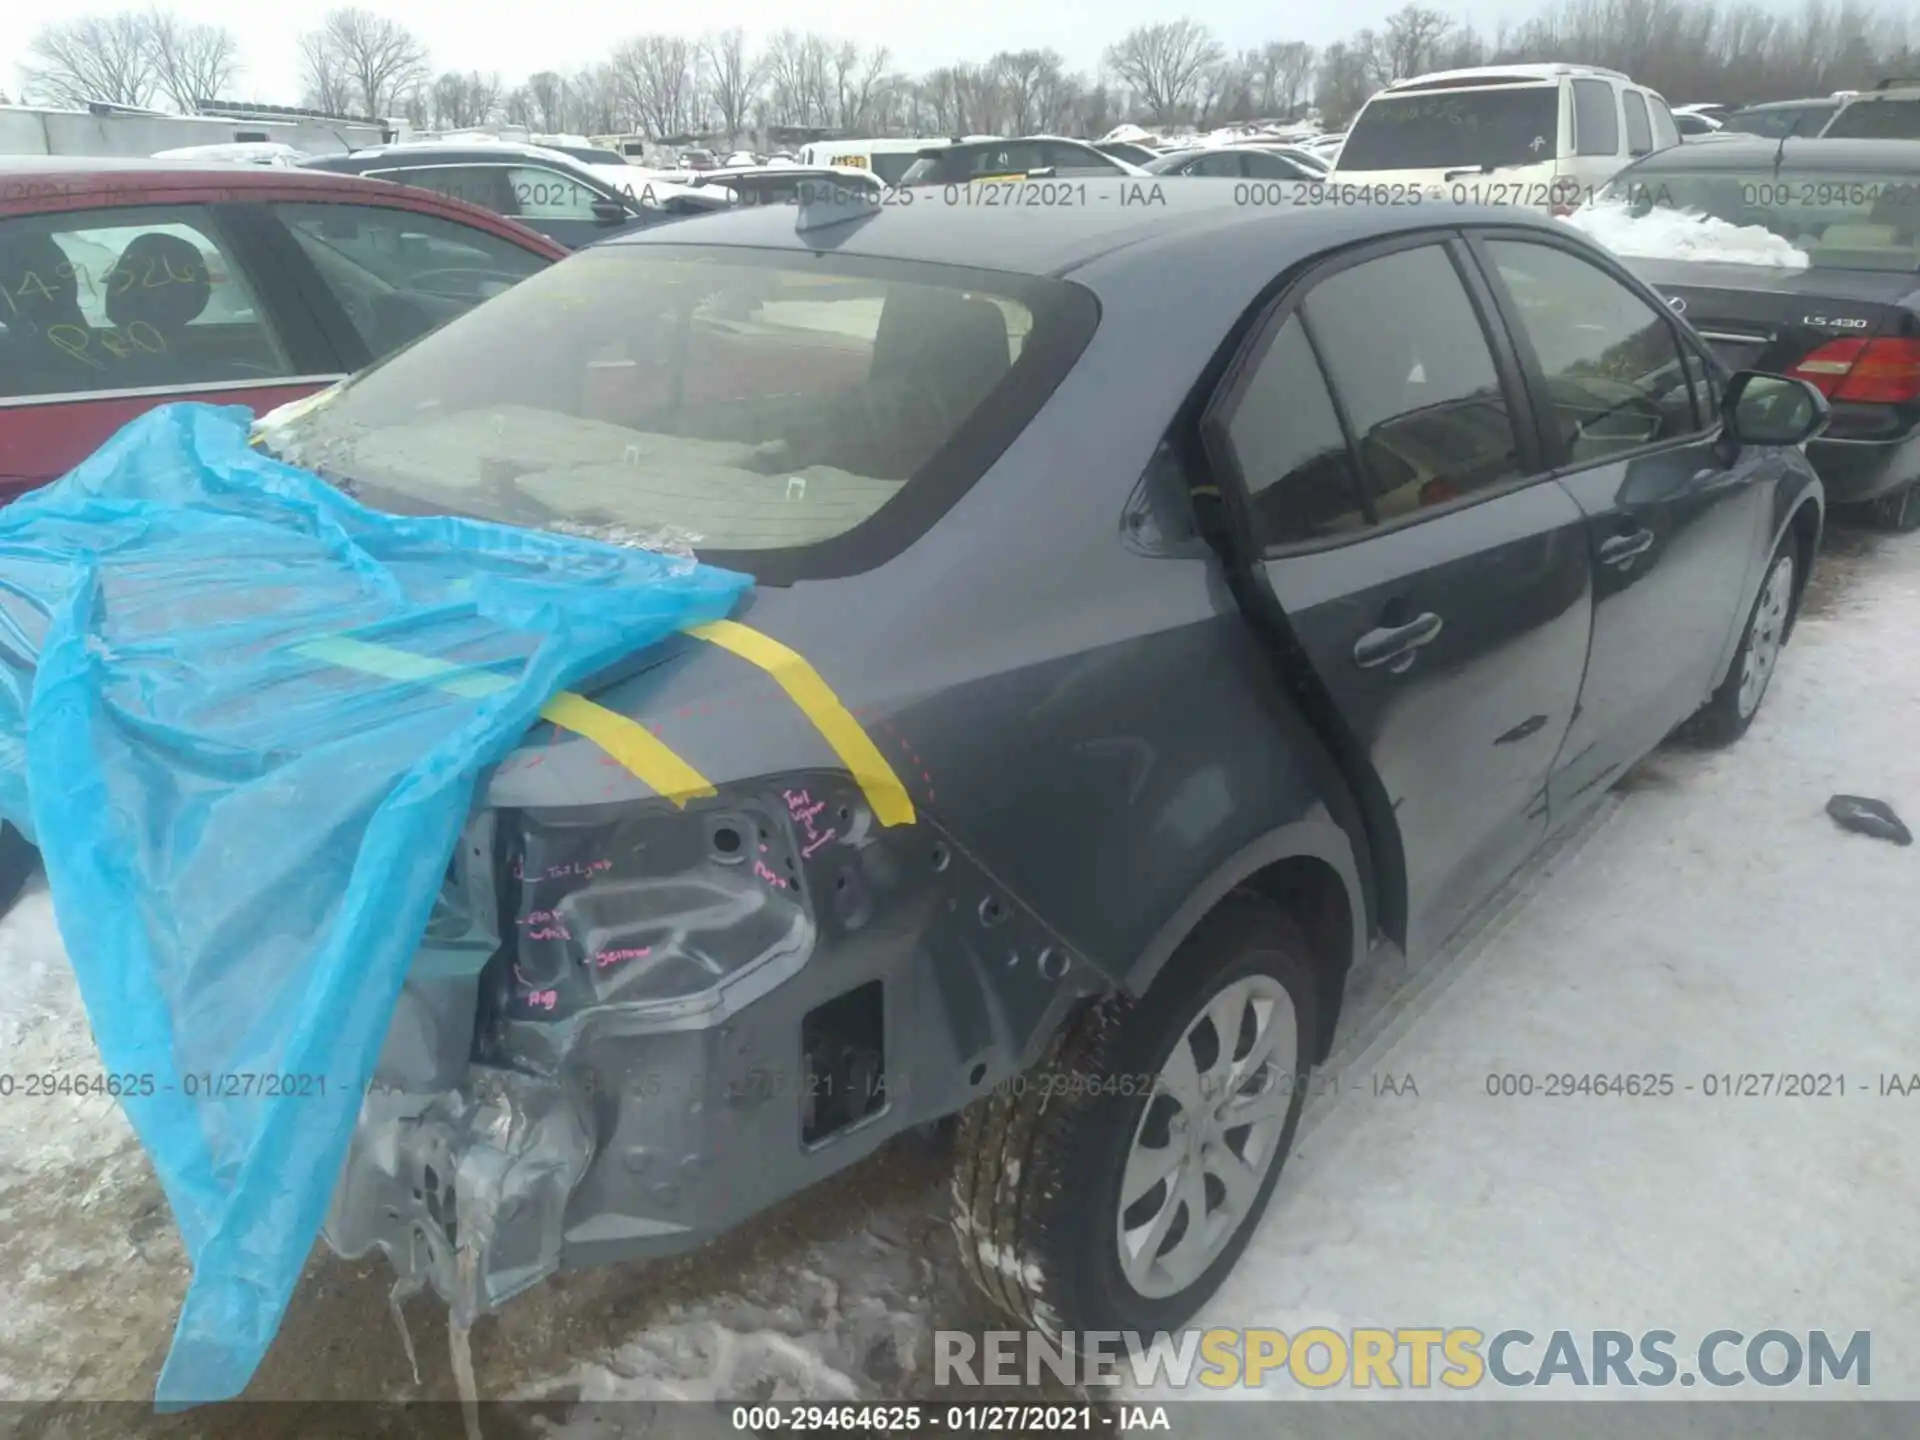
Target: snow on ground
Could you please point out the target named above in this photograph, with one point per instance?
(1664, 233)
(1711, 920)
(1714, 921)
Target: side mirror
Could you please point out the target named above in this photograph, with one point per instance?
(610, 212)
(1762, 409)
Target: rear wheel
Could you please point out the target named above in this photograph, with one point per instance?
(1727, 715)
(1114, 1186)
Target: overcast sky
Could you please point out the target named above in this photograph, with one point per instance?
(519, 37)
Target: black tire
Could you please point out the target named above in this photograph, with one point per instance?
(1040, 1162)
(1721, 721)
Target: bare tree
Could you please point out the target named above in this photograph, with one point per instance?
(190, 62)
(856, 80)
(1166, 63)
(657, 80)
(1034, 85)
(591, 103)
(462, 101)
(95, 57)
(799, 71)
(1413, 37)
(379, 59)
(732, 78)
(547, 102)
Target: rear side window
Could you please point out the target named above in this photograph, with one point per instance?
(1665, 133)
(1511, 125)
(1410, 365)
(127, 299)
(484, 185)
(1596, 118)
(1076, 160)
(791, 417)
(1639, 126)
(1289, 448)
(398, 273)
(1874, 120)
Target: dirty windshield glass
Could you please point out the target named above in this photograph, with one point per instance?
(1876, 120)
(743, 406)
(1800, 218)
(1455, 128)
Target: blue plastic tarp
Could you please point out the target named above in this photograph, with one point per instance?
(244, 843)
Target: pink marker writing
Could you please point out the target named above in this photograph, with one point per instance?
(614, 957)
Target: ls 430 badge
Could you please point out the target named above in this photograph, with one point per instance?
(1832, 323)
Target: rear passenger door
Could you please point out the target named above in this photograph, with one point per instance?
(1628, 421)
(1434, 582)
(106, 313)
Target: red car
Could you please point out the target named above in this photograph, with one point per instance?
(125, 284)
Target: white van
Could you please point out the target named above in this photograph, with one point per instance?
(1544, 136)
(888, 159)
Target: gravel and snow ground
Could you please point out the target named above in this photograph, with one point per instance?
(1711, 919)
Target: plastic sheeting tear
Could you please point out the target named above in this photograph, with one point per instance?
(244, 839)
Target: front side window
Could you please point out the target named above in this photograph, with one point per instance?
(1596, 118)
(398, 273)
(127, 299)
(1408, 359)
(541, 194)
(1511, 125)
(1611, 361)
(1217, 165)
(758, 406)
(1665, 132)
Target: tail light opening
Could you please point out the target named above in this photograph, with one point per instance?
(1883, 371)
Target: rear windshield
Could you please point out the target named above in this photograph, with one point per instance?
(1876, 120)
(791, 416)
(1454, 128)
(1794, 218)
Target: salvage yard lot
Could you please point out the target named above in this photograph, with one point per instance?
(1708, 919)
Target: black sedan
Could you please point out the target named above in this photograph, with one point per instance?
(1821, 280)
(1160, 604)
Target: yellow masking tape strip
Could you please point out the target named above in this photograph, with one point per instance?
(626, 740)
(888, 797)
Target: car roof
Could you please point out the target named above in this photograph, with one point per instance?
(1056, 241)
(1713, 152)
(504, 150)
(1790, 104)
(112, 172)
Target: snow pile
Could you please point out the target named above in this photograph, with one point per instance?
(248, 152)
(1671, 234)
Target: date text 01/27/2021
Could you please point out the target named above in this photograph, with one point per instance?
(914, 1417)
(195, 1084)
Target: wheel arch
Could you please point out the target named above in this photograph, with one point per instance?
(1309, 869)
(1805, 525)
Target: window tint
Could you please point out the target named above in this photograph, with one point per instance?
(484, 185)
(126, 299)
(1874, 120)
(541, 194)
(762, 405)
(1264, 165)
(1516, 125)
(1407, 357)
(398, 273)
(1664, 133)
(1639, 127)
(1075, 159)
(1596, 118)
(1014, 159)
(1611, 360)
(1288, 444)
(1214, 165)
